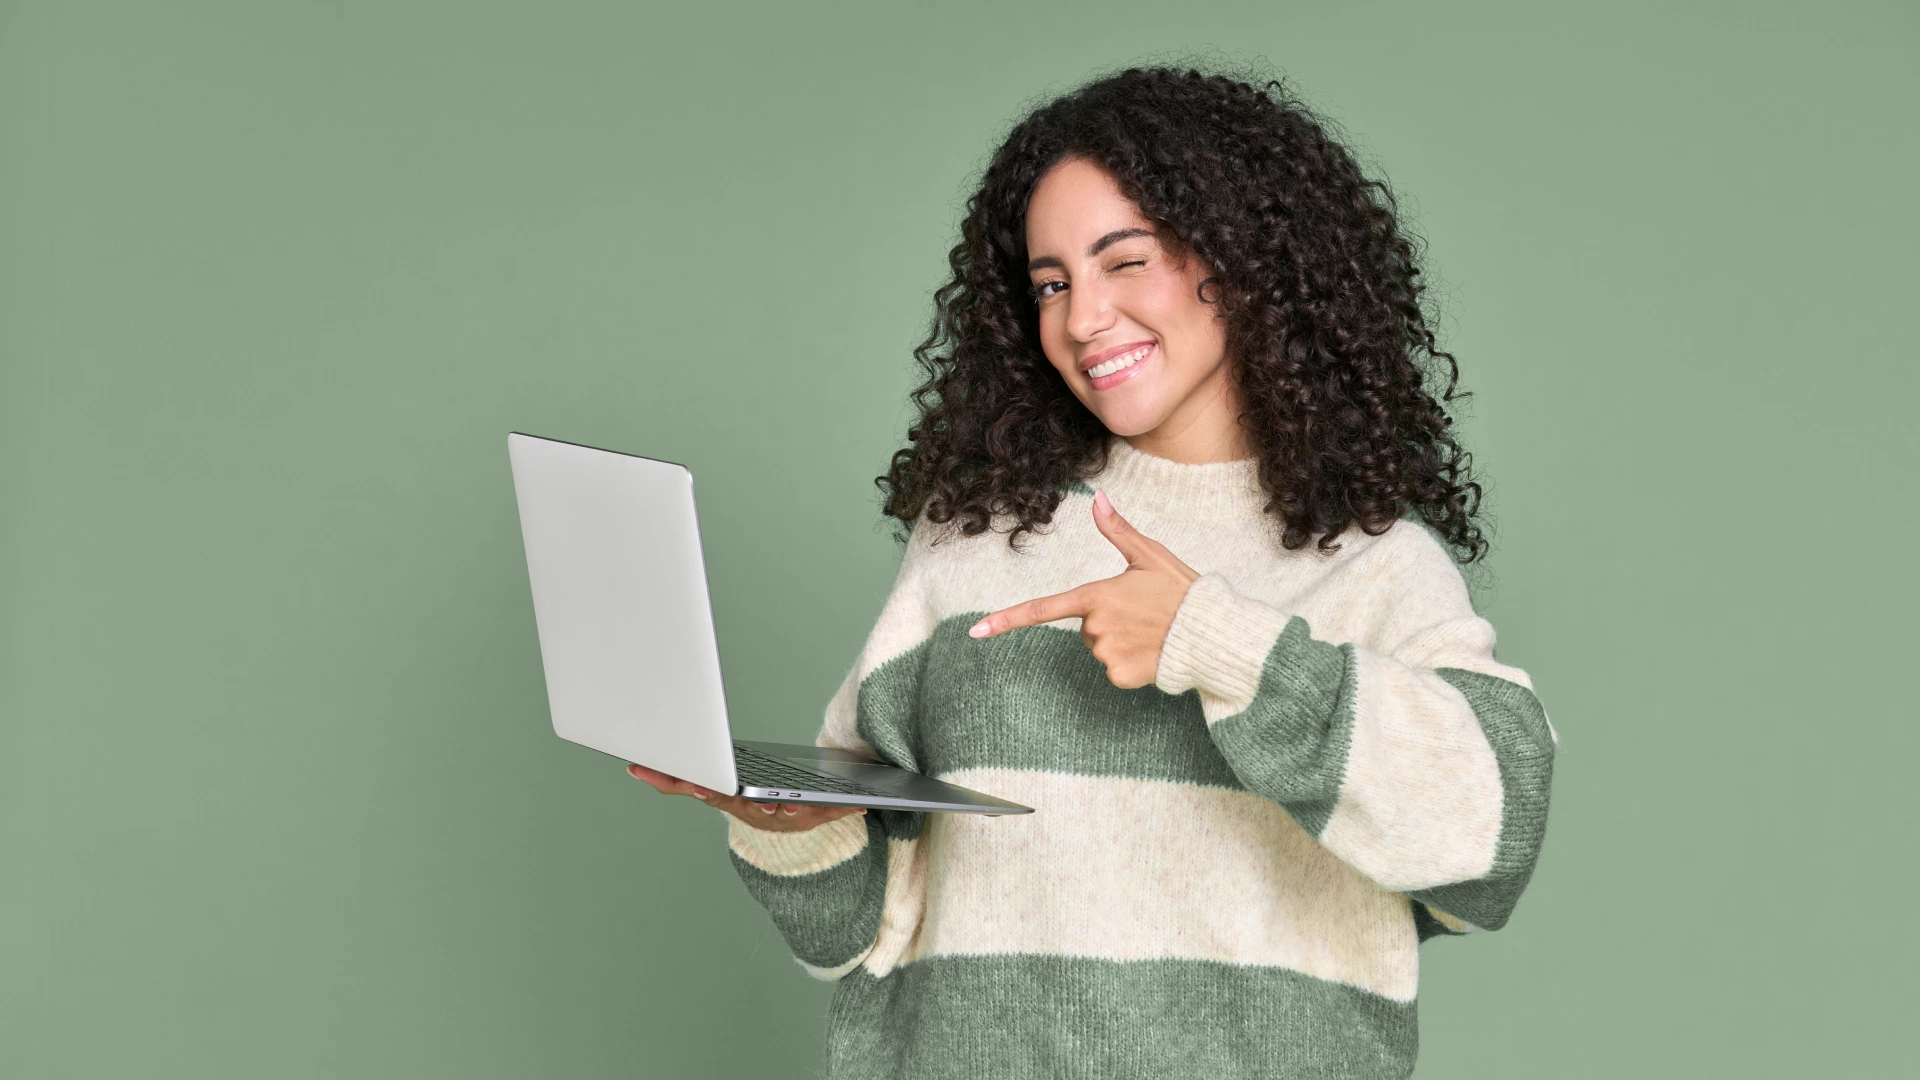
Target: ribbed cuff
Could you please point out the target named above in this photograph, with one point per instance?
(1218, 642)
(791, 854)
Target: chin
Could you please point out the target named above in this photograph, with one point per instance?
(1127, 423)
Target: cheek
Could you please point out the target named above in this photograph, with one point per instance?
(1192, 328)
(1059, 350)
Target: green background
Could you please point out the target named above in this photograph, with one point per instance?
(280, 797)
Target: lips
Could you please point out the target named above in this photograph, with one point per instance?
(1111, 367)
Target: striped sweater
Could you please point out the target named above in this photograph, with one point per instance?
(1228, 873)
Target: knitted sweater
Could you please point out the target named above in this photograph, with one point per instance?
(1228, 873)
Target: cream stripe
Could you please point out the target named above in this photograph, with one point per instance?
(1446, 645)
(791, 854)
(906, 900)
(840, 728)
(832, 973)
(1465, 642)
(981, 573)
(906, 620)
(1138, 869)
(1420, 803)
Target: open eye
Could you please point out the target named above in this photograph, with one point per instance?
(1038, 292)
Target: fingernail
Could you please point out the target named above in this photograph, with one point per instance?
(789, 808)
(980, 629)
(1100, 500)
(699, 793)
(861, 810)
(766, 808)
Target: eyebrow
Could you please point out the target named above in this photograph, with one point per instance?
(1099, 246)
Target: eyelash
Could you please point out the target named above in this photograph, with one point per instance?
(1034, 292)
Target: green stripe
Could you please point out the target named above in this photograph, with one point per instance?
(884, 717)
(900, 824)
(1033, 698)
(884, 709)
(1290, 744)
(827, 918)
(1060, 1017)
(1516, 728)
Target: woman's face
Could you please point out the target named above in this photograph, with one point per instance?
(1121, 319)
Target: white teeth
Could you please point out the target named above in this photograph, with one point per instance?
(1119, 363)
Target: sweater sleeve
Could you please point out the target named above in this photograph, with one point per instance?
(847, 892)
(824, 888)
(1415, 757)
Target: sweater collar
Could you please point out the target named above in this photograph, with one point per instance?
(1138, 481)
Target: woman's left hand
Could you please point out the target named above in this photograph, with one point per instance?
(1124, 619)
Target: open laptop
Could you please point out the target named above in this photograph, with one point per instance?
(626, 638)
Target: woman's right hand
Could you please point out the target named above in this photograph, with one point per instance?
(773, 817)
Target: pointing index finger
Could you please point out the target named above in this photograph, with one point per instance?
(1069, 604)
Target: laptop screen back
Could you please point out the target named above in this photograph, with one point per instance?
(620, 603)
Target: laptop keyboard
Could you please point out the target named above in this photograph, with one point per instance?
(759, 770)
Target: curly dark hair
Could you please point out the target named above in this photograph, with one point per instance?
(1319, 284)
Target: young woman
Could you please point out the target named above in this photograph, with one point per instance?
(1178, 578)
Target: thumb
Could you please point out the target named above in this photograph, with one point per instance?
(1139, 548)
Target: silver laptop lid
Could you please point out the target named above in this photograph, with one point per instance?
(620, 604)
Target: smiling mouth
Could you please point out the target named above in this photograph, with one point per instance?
(1120, 363)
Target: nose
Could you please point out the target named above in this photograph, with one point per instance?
(1088, 312)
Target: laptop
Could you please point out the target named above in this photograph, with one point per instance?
(626, 638)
